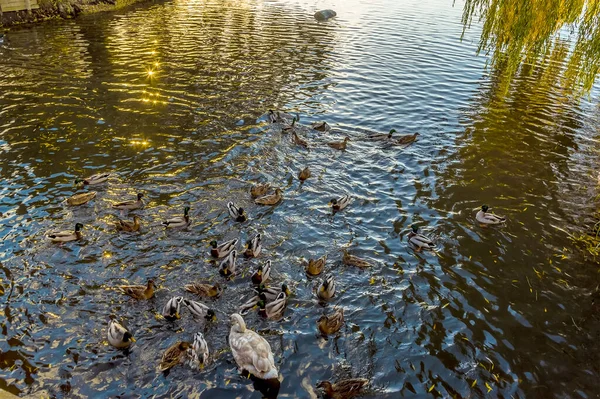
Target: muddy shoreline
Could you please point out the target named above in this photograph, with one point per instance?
(51, 9)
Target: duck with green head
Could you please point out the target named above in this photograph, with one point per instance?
(179, 221)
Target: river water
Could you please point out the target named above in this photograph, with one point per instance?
(171, 98)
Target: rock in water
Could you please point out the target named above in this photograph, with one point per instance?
(324, 15)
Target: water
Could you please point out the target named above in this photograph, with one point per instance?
(171, 97)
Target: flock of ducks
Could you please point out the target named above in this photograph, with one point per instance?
(250, 350)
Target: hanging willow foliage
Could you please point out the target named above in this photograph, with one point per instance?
(518, 32)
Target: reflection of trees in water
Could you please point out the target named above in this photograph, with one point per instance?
(519, 32)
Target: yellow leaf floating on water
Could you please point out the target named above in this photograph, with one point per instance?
(372, 281)
(52, 315)
(474, 383)
(488, 387)
(446, 305)
(431, 388)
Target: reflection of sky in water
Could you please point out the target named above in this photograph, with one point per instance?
(167, 96)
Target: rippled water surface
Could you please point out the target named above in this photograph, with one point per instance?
(171, 97)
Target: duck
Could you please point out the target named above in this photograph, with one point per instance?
(271, 293)
(304, 174)
(258, 190)
(274, 309)
(139, 291)
(67, 235)
(206, 290)
(382, 136)
(270, 199)
(315, 267)
(352, 260)
(228, 266)
(299, 141)
(276, 117)
(344, 389)
(485, 217)
(330, 324)
(290, 128)
(262, 273)
(200, 310)
(172, 309)
(406, 140)
(175, 354)
(128, 225)
(339, 145)
(82, 198)
(179, 221)
(327, 288)
(119, 336)
(320, 126)
(251, 352)
(223, 249)
(339, 203)
(93, 179)
(237, 214)
(199, 352)
(420, 241)
(247, 306)
(253, 246)
(130, 205)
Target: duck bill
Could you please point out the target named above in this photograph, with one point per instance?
(133, 339)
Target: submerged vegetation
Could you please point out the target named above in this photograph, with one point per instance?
(531, 32)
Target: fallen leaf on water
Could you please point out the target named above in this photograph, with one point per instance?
(488, 387)
(431, 388)
(474, 383)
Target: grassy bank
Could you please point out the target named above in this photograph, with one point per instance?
(61, 9)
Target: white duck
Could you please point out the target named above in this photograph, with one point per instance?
(485, 217)
(251, 351)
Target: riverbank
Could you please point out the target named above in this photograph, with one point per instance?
(49, 9)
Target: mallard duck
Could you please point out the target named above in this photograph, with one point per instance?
(327, 288)
(258, 190)
(223, 249)
(179, 221)
(344, 389)
(382, 137)
(274, 309)
(271, 293)
(130, 205)
(80, 199)
(420, 241)
(247, 306)
(119, 336)
(330, 324)
(304, 174)
(66, 236)
(270, 199)
(485, 217)
(339, 203)
(172, 309)
(251, 351)
(352, 260)
(199, 310)
(289, 128)
(406, 140)
(199, 352)
(321, 126)
(276, 117)
(176, 354)
(207, 290)
(128, 225)
(139, 291)
(262, 273)
(253, 247)
(339, 145)
(315, 267)
(299, 141)
(228, 266)
(237, 214)
(93, 179)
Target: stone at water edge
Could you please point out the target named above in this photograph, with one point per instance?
(324, 15)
